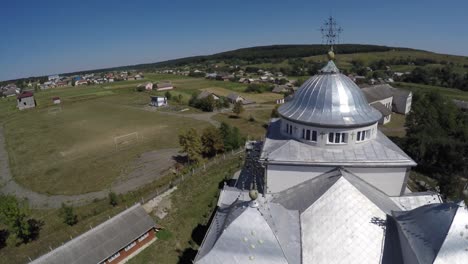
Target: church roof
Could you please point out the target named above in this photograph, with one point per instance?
(380, 151)
(330, 99)
(255, 233)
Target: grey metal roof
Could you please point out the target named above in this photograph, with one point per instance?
(380, 151)
(377, 92)
(233, 204)
(330, 99)
(381, 108)
(454, 250)
(423, 230)
(250, 237)
(102, 241)
(302, 196)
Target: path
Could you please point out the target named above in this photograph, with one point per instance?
(137, 178)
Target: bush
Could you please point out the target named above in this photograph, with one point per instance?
(113, 200)
(68, 215)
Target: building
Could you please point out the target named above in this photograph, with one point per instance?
(158, 101)
(25, 100)
(326, 186)
(148, 86)
(113, 241)
(81, 82)
(163, 86)
(205, 94)
(56, 100)
(379, 95)
(384, 110)
(234, 98)
(402, 100)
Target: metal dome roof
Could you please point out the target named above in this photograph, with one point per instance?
(330, 99)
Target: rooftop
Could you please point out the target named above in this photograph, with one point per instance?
(329, 99)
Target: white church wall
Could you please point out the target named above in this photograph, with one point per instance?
(388, 180)
(282, 177)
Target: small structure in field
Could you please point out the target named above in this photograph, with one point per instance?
(206, 94)
(234, 98)
(114, 241)
(162, 86)
(56, 100)
(158, 101)
(26, 100)
(148, 86)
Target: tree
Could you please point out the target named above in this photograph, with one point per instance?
(68, 215)
(231, 137)
(212, 141)
(168, 95)
(113, 200)
(238, 108)
(15, 215)
(191, 145)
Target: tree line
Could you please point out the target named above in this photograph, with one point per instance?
(211, 142)
(437, 139)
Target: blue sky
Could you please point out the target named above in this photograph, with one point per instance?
(46, 37)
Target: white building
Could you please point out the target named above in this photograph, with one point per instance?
(158, 101)
(333, 191)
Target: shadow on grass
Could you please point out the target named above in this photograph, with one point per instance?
(3, 237)
(187, 256)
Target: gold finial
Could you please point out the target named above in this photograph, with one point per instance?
(331, 55)
(253, 194)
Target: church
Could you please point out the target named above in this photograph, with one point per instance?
(331, 188)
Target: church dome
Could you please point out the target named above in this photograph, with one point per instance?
(330, 99)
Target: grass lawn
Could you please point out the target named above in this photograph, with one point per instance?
(396, 126)
(256, 97)
(449, 92)
(70, 149)
(193, 203)
(249, 129)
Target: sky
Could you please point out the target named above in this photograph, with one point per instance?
(50, 37)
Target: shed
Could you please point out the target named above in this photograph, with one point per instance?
(162, 86)
(158, 101)
(114, 241)
(56, 100)
(26, 100)
(205, 94)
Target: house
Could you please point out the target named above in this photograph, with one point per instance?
(384, 110)
(130, 78)
(148, 86)
(402, 100)
(162, 86)
(382, 94)
(81, 82)
(9, 90)
(281, 89)
(114, 241)
(138, 77)
(205, 94)
(234, 98)
(329, 187)
(158, 101)
(56, 100)
(61, 83)
(25, 100)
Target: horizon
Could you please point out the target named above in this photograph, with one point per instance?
(52, 37)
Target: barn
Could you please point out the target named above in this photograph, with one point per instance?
(26, 100)
(114, 241)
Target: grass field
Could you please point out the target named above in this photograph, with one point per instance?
(449, 92)
(74, 150)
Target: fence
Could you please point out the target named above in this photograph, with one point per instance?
(182, 177)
